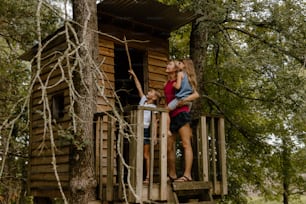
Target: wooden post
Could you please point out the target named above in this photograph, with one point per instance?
(121, 167)
(222, 156)
(98, 158)
(203, 150)
(163, 155)
(151, 173)
(139, 154)
(110, 160)
(213, 153)
(101, 158)
(132, 159)
(136, 156)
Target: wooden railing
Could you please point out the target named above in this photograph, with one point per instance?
(119, 155)
(124, 162)
(211, 158)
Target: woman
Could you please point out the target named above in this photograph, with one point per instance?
(180, 123)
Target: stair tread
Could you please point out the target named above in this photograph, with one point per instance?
(191, 185)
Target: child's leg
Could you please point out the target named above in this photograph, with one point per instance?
(146, 155)
(168, 125)
(173, 104)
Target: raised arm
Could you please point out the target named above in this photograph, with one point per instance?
(137, 83)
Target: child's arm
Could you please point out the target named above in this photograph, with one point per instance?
(179, 78)
(137, 83)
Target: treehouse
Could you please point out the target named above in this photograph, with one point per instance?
(119, 160)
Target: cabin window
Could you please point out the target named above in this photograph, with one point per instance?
(58, 106)
(124, 84)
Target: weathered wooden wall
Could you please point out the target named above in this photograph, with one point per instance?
(41, 177)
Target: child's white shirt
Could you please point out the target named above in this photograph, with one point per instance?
(146, 113)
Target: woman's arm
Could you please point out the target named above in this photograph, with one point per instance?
(195, 95)
(137, 83)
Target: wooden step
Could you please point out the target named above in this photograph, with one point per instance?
(190, 187)
(197, 192)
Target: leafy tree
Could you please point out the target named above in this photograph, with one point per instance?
(17, 34)
(249, 58)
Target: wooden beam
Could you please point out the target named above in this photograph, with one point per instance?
(139, 154)
(222, 156)
(110, 160)
(101, 157)
(163, 155)
(213, 153)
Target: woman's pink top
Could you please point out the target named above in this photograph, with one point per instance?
(169, 91)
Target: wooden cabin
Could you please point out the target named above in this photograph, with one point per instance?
(151, 22)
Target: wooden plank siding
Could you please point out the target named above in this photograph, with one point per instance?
(106, 55)
(157, 71)
(42, 181)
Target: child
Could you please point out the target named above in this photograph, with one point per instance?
(149, 100)
(185, 84)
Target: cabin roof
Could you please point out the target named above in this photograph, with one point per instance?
(145, 12)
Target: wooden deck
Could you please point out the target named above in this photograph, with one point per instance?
(120, 171)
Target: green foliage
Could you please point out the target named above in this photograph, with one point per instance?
(254, 74)
(18, 32)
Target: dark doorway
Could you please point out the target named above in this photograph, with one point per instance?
(124, 84)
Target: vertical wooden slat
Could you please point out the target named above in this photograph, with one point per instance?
(97, 151)
(139, 154)
(213, 153)
(101, 159)
(222, 155)
(153, 129)
(121, 167)
(136, 155)
(199, 147)
(163, 156)
(132, 157)
(110, 160)
(203, 148)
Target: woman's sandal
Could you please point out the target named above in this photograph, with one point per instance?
(183, 179)
(171, 179)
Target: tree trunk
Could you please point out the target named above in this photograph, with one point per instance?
(285, 170)
(198, 49)
(83, 183)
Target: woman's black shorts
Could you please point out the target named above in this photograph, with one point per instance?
(179, 121)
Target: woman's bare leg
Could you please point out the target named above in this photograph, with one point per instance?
(185, 133)
(171, 156)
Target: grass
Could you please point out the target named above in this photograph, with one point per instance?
(261, 200)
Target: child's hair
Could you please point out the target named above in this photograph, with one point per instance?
(179, 64)
(189, 68)
(158, 95)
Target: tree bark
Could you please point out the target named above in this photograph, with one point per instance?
(198, 49)
(82, 182)
(285, 170)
